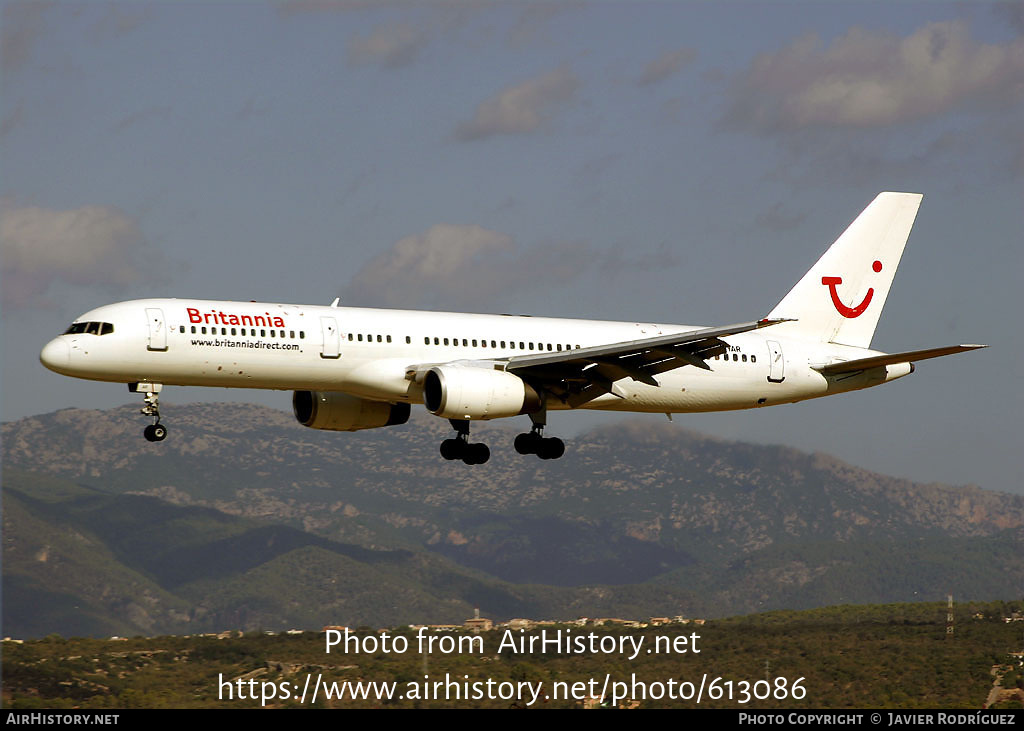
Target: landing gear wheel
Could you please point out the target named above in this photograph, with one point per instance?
(545, 448)
(155, 432)
(551, 448)
(452, 449)
(527, 442)
(477, 453)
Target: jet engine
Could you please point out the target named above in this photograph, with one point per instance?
(456, 391)
(341, 412)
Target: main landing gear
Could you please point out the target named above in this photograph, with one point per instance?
(461, 448)
(155, 432)
(535, 442)
(532, 442)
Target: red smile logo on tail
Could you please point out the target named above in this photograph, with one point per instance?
(850, 312)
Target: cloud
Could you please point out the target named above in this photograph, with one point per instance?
(41, 247)
(297, 7)
(12, 120)
(777, 219)
(22, 24)
(391, 46)
(520, 109)
(445, 266)
(533, 23)
(144, 115)
(119, 21)
(465, 267)
(666, 65)
(871, 79)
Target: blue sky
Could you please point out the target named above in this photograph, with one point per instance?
(661, 162)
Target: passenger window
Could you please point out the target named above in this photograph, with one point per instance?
(474, 342)
(291, 334)
(263, 333)
(204, 329)
(437, 341)
(408, 340)
(446, 341)
(559, 347)
(735, 357)
(302, 334)
(744, 357)
(360, 337)
(389, 338)
(503, 343)
(753, 359)
(193, 329)
(493, 345)
(465, 343)
(549, 346)
(378, 339)
(234, 331)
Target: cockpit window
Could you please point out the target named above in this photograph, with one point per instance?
(90, 328)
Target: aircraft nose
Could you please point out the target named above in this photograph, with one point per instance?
(56, 355)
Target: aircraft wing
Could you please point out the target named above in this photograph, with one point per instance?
(581, 375)
(849, 366)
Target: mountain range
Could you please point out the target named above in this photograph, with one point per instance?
(245, 519)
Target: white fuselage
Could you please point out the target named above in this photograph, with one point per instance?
(369, 353)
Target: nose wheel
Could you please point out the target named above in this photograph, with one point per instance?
(461, 448)
(155, 432)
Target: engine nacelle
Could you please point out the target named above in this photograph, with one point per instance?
(341, 412)
(457, 391)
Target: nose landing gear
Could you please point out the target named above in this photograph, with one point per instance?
(461, 448)
(155, 432)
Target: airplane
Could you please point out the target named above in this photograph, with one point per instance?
(358, 368)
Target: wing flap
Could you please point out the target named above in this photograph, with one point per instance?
(626, 349)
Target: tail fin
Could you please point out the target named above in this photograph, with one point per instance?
(840, 299)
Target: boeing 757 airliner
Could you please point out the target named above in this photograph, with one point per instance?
(353, 368)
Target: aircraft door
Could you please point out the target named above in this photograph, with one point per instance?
(777, 363)
(332, 339)
(157, 329)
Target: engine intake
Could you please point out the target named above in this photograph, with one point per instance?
(341, 412)
(456, 391)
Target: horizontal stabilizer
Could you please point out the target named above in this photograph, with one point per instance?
(910, 356)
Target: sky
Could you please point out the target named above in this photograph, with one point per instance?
(651, 162)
